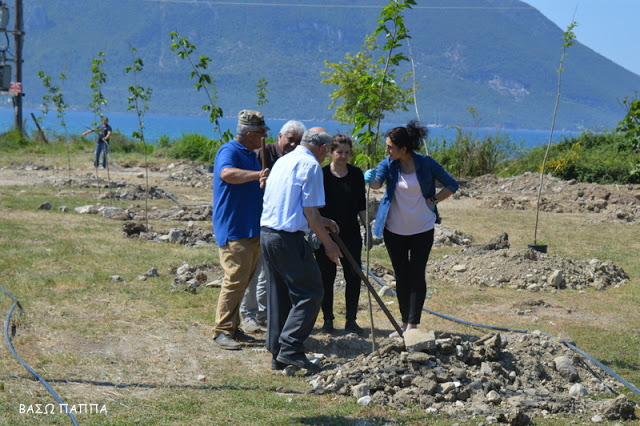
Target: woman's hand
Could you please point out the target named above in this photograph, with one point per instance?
(370, 176)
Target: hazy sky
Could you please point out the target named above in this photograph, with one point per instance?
(610, 27)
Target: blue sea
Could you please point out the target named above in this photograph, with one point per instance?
(175, 126)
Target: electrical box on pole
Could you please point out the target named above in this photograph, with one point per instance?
(4, 16)
(5, 77)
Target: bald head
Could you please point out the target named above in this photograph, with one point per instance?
(317, 130)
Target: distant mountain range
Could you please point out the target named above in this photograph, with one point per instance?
(498, 56)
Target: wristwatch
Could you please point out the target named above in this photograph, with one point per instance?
(435, 201)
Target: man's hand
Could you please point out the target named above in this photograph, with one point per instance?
(333, 252)
(262, 177)
(331, 225)
(321, 226)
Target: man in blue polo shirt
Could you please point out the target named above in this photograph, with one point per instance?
(237, 205)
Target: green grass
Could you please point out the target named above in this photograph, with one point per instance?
(137, 347)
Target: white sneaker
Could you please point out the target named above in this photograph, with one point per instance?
(250, 325)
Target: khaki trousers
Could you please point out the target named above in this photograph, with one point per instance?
(239, 260)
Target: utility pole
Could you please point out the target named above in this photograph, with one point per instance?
(18, 34)
(15, 87)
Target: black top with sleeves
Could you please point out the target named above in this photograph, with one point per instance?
(344, 198)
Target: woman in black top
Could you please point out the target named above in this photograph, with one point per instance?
(345, 201)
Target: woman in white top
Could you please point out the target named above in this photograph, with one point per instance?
(407, 213)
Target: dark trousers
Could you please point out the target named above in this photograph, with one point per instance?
(409, 255)
(351, 277)
(294, 291)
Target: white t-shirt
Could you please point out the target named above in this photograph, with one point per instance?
(409, 213)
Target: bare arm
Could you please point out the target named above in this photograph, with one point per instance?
(236, 176)
(321, 227)
(441, 196)
(362, 214)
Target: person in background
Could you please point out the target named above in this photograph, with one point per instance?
(293, 194)
(408, 213)
(345, 202)
(102, 145)
(238, 180)
(254, 304)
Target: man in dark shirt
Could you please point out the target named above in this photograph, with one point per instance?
(103, 142)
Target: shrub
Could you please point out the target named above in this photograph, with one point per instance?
(120, 143)
(13, 140)
(194, 147)
(470, 157)
(164, 142)
(601, 158)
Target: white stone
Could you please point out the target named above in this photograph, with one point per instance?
(565, 367)
(556, 279)
(90, 209)
(417, 340)
(183, 269)
(365, 400)
(578, 390)
(360, 390)
(385, 291)
(493, 397)
(175, 235)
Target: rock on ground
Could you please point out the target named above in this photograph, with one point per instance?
(494, 264)
(507, 376)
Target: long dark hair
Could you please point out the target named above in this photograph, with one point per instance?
(409, 136)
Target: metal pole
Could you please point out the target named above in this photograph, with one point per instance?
(18, 35)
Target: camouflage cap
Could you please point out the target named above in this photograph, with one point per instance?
(249, 117)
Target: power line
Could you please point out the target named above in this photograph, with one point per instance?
(340, 6)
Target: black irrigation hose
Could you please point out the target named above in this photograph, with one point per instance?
(518, 330)
(24, 364)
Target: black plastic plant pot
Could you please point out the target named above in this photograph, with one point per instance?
(542, 248)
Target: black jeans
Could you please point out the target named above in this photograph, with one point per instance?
(351, 277)
(409, 255)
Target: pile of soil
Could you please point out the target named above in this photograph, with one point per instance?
(133, 192)
(620, 203)
(494, 264)
(191, 237)
(86, 180)
(503, 377)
